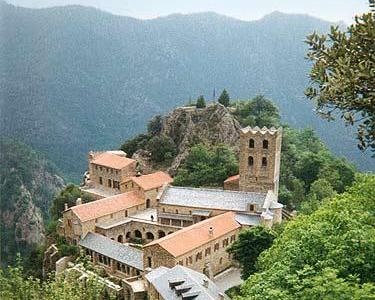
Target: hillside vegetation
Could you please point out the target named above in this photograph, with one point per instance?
(28, 183)
(206, 145)
(76, 79)
(328, 254)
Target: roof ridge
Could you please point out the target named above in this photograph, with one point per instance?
(102, 200)
(189, 228)
(215, 189)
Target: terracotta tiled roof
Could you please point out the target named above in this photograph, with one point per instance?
(232, 178)
(111, 160)
(151, 181)
(189, 238)
(106, 206)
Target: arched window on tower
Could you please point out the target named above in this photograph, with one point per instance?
(265, 144)
(251, 143)
(264, 162)
(250, 161)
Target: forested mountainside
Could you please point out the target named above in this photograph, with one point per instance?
(76, 78)
(28, 183)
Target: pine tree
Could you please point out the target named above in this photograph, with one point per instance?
(224, 98)
(201, 103)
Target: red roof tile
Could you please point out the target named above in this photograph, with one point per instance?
(151, 181)
(106, 206)
(189, 238)
(232, 178)
(111, 160)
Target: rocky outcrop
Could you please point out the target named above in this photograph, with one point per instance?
(27, 185)
(212, 125)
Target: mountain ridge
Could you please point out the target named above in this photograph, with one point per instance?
(75, 80)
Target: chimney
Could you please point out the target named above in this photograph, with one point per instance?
(205, 283)
(79, 201)
(211, 231)
(65, 206)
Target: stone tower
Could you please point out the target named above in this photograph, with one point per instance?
(260, 159)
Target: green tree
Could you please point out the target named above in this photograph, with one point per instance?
(154, 126)
(201, 103)
(14, 286)
(68, 195)
(134, 144)
(343, 76)
(321, 255)
(207, 166)
(224, 98)
(258, 111)
(161, 148)
(250, 243)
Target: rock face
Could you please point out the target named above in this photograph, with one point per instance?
(27, 185)
(212, 125)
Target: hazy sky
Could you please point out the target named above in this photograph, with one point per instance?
(331, 10)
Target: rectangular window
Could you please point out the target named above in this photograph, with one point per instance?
(198, 256)
(109, 183)
(149, 261)
(207, 251)
(233, 238)
(101, 180)
(181, 262)
(190, 259)
(225, 242)
(216, 247)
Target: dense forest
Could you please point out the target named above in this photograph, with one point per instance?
(28, 183)
(76, 79)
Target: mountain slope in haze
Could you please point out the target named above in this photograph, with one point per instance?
(28, 183)
(75, 78)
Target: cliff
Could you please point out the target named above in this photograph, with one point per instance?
(187, 126)
(28, 183)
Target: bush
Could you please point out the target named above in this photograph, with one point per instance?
(161, 148)
(201, 103)
(207, 167)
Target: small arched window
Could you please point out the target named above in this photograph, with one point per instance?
(251, 161)
(264, 162)
(251, 143)
(265, 144)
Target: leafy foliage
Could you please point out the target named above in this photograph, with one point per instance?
(343, 76)
(201, 103)
(328, 254)
(28, 182)
(207, 166)
(161, 148)
(68, 195)
(304, 160)
(258, 111)
(14, 286)
(224, 98)
(250, 243)
(154, 126)
(134, 144)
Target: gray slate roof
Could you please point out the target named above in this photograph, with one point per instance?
(211, 198)
(248, 219)
(114, 250)
(160, 278)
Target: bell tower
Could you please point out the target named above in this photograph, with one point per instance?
(260, 151)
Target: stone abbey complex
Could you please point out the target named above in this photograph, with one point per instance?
(170, 242)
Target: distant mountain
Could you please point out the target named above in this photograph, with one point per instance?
(28, 183)
(75, 78)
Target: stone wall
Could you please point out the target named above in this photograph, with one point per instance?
(125, 232)
(209, 262)
(255, 176)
